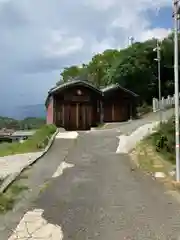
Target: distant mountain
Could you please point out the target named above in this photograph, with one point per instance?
(19, 113)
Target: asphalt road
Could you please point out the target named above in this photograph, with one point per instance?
(36, 178)
(101, 198)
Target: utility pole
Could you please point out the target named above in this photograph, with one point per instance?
(176, 85)
(158, 59)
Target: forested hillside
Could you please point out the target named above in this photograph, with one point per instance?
(26, 124)
(133, 67)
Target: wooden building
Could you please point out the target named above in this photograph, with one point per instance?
(75, 105)
(119, 104)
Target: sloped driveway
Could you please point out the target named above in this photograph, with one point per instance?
(102, 198)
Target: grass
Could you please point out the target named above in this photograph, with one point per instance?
(144, 109)
(101, 125)
(156, 153)
(163, 140)
(8, 198)
(149, 160)
(35, 143)
(44, 186)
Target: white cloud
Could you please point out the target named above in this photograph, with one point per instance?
(39, 38)
(62, 45)
(100, 5)
(159, 33)
(98, 47)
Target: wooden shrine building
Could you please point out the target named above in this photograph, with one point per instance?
(74, 105)
(78, 105)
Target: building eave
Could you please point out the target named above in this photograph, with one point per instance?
(113, 87)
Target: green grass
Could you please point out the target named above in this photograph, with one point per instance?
(163, 140)
(8, 198)
(35, 143)
(101, 125)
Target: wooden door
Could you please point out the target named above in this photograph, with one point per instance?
(107, 112)
(70, 116)
(77, 116)
(84, 116)
(124, 112)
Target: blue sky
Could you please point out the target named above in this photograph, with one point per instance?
(40, 38)
(162, 18)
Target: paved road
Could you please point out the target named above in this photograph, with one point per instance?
(38, 176)
(101, 198)
(128, 127)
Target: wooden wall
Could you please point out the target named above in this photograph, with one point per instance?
(118, 106)
(77, 108)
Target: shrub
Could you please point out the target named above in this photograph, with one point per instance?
(144, 108)
(164, 139)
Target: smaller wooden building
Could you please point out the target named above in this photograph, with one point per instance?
(119, 104)
(75, 105)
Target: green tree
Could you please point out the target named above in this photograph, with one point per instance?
(133, 67)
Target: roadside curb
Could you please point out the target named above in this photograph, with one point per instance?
(12, 177)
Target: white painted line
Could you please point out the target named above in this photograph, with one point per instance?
(67, 135)
(34, 227)
(61, 168)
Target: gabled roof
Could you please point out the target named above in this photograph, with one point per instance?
(69, 84)
(117, 86)
(73, 83)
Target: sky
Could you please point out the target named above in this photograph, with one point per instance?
(41, 37)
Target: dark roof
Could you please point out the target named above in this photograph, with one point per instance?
(117, 86)
(71, 83)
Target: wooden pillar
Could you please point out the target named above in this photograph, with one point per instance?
(63, 115)
(131, 110)
(113, 112)
(131, 104)
(77, 115)
(101, 112)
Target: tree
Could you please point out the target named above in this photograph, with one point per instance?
(133, 67)
(70, 73)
